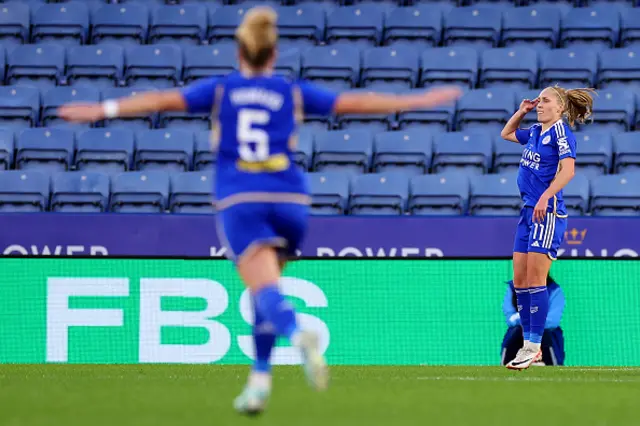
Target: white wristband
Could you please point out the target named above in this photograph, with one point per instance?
(111, 108)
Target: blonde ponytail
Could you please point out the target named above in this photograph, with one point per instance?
(257, 36)
(577, 103)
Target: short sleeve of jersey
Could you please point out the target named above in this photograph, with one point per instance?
(317, 100)
(566, 146)
(199, 96)
(522, 135)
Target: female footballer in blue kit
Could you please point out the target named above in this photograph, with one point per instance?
(262, 198)
(547, 165)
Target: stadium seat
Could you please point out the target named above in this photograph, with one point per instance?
(457, 151)
(359, 24)
(613, 110)
(407, 151)
(419, 26)
(535, 26)
(303, 153)
(156, 65)
(126, 23)
(627, 152)
(507, 156)
(15, 23)
(58, 96)
(99, 66)
(373, 123)
(207, 61)
(203, 157)
(338, 65)
(576, 195)
(570, 67)
(45, 149)
(7, 147)
(24, 191)
(595, 152)
(141, 122)
(223, 22)
(619, 68)
(191, 192)
(488, 109)
(449, 65)
(593, 26)
(288, 64)
(303, 24)
(19, 106)
(614, 195)
(473, 25)
(40, 65)
(445, 194)
(184, 24)
(495, 195)
(140, 192)
(168, 150)
(66, 23)
(329, 192)
(515, 67)
(435, 119)
(108, 151)
(346, 150)
(80, 192)
(397, 64)
(379, 194)
(630, 27)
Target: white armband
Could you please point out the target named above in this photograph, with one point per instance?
(111, 108)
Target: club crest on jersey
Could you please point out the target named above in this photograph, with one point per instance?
(546, 140)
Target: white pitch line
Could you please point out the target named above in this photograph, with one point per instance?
(528, 379)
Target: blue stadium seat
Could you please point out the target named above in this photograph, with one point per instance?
(407, 151)
(614, 195)
(507, 156)
(184, 121)
(206, 61)
(488, 109)
(99, 66)
(223, 22)
(495, 195)
(288, 64)
(40, 65)
(473, 25)
(396, 64)
(449, 65)
(438, 118)
(571, 67)
(433, 195)
(168, 150)
(191, 192)
(24, 191)
(329, 192)
(358, 24)
(346, 150)
(142, 122)
(105, 150)
(576, 195)
(7, 147)
(596, 25)
(184, 24)
(203, 156)
(536, 26)
(58, 96)
(45, 149)
(154, 65)
(614, 110)
(80, 192)
(61, 22)
(126, 23)
(619, 68)
(630, 27)
(595, 152)
(627, 152)
(379, 194)
(19, 106)
(303, 153)
(140, 192)
(419, 26)
(372, 123)
(515, 67)
(338, 65)
(457, 151)
(15, 23)
(302, 23)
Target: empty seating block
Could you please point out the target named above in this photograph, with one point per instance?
(7, 146)
(595, 152)
(488, 109)
(191, 192)
(203, 154)
(108, 151)
(80, 192)
(495, 195)
(450, 65)
(141, 122)
(40, 65)
(207, 61)
(379, 194)
(576, 195)
(337, 66)
(513, 67)
(223, 22)
(468, 151)
(571, 67)
(58, 96)
(473, 25)
(24, 191)
(597, 25)
(184, 24)
(627, 152)
(156, 66)
(407, 151)
(343, 150)
(49, 149)
(169, 150)
(99, 66)
(613, 110)
(140, 192)
(619, 67)
(303, 24)
(14, 23)
(359, 24)
(126, 23)
(397, 65)
(419, 26)
(536, 26)
(19, 106)
(444, 194)
(66, 23)
(616, 195)
(329, 192)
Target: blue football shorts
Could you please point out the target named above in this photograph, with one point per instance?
(544, 237)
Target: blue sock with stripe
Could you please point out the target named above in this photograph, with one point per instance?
(264, 339)
(539, 309)
(523, 298)
(276, 310)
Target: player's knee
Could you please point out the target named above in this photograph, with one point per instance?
(260, 268)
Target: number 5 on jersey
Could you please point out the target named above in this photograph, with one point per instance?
(247, 134)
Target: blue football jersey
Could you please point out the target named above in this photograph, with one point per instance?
(540, 161)
(254, 129)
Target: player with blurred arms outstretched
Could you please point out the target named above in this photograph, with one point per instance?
(547, 165)
(262, 197)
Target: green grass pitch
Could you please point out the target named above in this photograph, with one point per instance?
(169, 395)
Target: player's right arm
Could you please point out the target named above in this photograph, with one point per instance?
(512, 131)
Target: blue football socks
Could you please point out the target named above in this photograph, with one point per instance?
(264, 339)
(539, 297)
(276, 310)
(523, 298)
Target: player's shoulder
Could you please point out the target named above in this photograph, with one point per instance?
(536, 127)
(561, 130)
